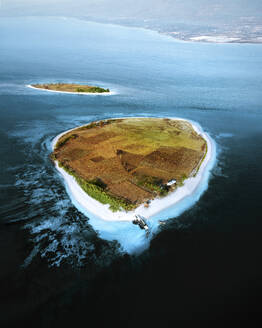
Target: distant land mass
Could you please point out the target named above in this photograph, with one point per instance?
(220, 21)
(70, 87)
(244, 30)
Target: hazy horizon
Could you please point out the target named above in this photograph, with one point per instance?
(187, 11)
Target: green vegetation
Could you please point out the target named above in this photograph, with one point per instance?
(62, 142)
(69, 87)
(99, 183)
(92, 90)
(98, 124)
(180, 183)
(153, 184)
(96, 191)
(91, 125)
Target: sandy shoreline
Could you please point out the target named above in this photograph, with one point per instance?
(157, 205)
(111, 93)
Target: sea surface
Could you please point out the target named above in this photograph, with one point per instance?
(56, 267)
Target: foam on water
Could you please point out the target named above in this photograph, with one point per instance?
(58, 232)
(225, 135)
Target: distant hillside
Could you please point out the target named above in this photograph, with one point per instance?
(189, 11)
(194, 20)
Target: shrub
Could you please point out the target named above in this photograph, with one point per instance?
(80, 90)
(62, 142)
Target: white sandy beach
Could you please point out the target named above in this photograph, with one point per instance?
(111, 93)
(157, 205)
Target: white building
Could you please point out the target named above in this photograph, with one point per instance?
(171, 182)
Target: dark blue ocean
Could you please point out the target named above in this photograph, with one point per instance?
(55, 267)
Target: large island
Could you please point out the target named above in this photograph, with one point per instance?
(70, 88)
(130, 165)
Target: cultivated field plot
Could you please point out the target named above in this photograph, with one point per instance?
(126, 162)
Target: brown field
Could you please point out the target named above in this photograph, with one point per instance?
(132, 158)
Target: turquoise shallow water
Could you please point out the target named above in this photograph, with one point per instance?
(217, 85)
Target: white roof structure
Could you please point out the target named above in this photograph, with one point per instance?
(171, 182)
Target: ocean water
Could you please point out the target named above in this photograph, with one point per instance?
(44, 235)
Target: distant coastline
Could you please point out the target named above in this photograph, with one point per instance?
(183, 33)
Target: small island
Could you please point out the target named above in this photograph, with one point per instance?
(70, 88)
(130, 165)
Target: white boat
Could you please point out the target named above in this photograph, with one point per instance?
(140, 221)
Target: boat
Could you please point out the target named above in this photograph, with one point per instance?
(141, 222)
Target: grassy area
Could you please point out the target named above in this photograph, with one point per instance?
(70, 87)
(127, 162)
